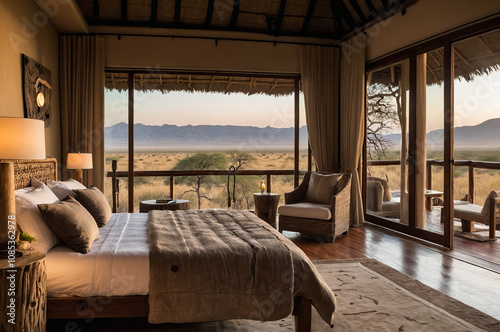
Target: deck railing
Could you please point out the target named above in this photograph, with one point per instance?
(115, 175)
(471, 164)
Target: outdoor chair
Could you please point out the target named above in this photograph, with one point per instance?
(319, 206)
(380, 200)
(488, 214)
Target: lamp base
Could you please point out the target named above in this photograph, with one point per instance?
(7, 203)
(79, 175)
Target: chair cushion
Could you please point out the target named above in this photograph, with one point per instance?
(470, 212)
(306, 210)
(387, 189)
(322, 187)
(486, 207)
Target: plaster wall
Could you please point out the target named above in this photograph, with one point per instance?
(24, 30)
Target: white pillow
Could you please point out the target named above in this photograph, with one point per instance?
(64, 188)
(35, 183)
(30, 219)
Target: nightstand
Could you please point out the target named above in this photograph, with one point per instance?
(177, 204)
(23, 295)
(266, 207)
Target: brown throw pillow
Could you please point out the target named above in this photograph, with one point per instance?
(486, 207)
(72, 223)
(322, 187)
(96, 203)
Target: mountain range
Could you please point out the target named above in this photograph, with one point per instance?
(214, 137)
(483, 135)
(203, 137)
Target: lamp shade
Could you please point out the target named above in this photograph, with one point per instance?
(22, 138)
(79, 161)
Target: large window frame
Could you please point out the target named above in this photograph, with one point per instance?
(131, 111)
(446, 42)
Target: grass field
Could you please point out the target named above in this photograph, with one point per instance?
(158, 187)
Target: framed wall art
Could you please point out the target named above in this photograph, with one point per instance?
(37, 90)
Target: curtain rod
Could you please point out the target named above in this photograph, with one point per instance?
(216, 39)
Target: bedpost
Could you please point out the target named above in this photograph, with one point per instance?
(114, 183)
(302, 313)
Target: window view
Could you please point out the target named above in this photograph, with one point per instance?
(387, 142)
(180, 127)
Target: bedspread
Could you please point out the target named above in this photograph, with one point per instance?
(208, 265)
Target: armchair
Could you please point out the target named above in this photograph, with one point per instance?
(319, 206)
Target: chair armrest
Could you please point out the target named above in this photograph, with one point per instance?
(493, 215)
(374, 196)
(299, 193)
(343, 193)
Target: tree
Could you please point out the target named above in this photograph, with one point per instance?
(200, 161)
(239, 158)
(246, 185)
(384, 114)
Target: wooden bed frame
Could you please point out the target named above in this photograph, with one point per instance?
(115, 306)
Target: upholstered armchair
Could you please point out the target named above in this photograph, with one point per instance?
(319, 206)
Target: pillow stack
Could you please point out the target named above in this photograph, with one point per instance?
(63, 210)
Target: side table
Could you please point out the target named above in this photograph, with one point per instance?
(266, 207)
(178, 204)
(25, 282)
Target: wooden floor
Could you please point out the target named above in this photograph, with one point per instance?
(470, 273)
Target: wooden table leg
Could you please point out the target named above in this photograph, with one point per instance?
(428, 203)
(467, 226)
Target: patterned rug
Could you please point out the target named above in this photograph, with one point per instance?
(481, 233)
(370, 295)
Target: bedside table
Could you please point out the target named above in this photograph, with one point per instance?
(178, 204)
(24, 285)
(266, 207)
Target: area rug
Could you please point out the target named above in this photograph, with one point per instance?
(370, 296)
(480, 234)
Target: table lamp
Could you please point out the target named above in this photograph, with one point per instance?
(78, 162)
(20, 138)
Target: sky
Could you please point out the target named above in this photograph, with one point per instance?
(475, 102)
(183, 108)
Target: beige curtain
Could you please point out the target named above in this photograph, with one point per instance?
(421, 155)
(319, 69)
(352, 118)
(81, 70)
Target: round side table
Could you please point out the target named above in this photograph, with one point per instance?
(178, 204)
(266, 207)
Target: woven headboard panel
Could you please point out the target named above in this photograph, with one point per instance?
(24, 170)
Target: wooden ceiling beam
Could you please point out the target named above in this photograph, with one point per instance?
(344, 12)
(96, 10)
(177, 13)
(234, 15)
(210, 12)
(124, 7)
(337, 17)
(154, 11)
(371, 8)
(307, 19)
(385, 4)
(357, 9)
(281, 14)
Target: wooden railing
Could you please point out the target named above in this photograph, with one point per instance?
(115, 175)
(471, 164)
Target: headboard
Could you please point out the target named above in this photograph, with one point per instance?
(42, 169)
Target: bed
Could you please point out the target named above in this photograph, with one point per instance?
(112, 279)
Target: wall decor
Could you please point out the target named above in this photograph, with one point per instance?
(37, 90)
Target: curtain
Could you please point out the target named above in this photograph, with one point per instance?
(421, 155)
(81, 70)
(352, 118)
(319, 69)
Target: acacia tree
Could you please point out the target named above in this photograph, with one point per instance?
(383, 115)
(200, 161)
(245, 184)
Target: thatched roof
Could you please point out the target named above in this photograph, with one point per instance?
(473, 57)
(332, 19)
(202, 83)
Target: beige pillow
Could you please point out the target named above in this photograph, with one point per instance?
(96, 203)
(387, 189)
(322, 187)
(72, 223)
(486, 207)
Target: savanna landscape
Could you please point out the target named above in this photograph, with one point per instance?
(214, 188)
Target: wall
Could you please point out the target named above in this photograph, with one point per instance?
(201, 54)
(423, 20)
(23, 29)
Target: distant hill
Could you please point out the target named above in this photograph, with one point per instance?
(205, 137)
(483, 135)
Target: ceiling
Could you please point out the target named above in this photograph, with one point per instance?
(331, 19)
